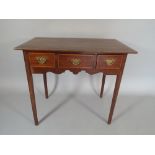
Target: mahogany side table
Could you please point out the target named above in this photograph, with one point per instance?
(42, 55)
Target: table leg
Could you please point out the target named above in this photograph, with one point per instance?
(116, 89)
(45, 84)
(31, 88)
(102, 86)
(115, 94)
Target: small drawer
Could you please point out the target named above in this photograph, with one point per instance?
(76, 61)
(109, 61)
(42, 60)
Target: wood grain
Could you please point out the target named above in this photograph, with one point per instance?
(89, 55)
(101, 61)
(85, 61)
(116, 90)
(31, 88)
(49, 56)
(76, 45)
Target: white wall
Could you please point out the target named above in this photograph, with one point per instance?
(139, 75)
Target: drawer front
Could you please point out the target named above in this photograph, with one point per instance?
(109, 61)
(76, 61)
(42, 60)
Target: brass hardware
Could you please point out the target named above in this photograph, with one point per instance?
(41, 59)
(75, 61)
(110, 61)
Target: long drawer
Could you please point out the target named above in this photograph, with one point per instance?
(76, 61)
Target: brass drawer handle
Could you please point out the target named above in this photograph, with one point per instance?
(75, 61)
(41, 59)
(110, 61)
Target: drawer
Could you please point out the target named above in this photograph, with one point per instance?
(109, 61)
(76, 61)
(42, 60)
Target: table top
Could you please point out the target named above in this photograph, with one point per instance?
(77, 45)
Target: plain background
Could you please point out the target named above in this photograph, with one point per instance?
(137, 86)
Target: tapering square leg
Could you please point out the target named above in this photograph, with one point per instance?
(31, 88)
(115, 94)
(102, 86)
(116, 89)
(45, 84)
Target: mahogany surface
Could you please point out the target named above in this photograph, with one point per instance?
(76, 45)
(86, 61)
(42, 55)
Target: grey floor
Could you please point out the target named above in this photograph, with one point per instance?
(75, 113)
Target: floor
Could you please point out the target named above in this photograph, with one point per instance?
(76, 113)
